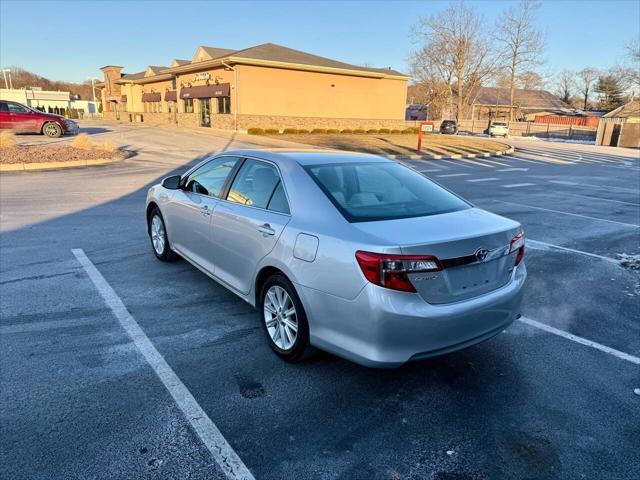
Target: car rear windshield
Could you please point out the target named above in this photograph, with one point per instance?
(499, 124)
(365, 192)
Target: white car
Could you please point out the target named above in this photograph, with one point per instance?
(499, 129)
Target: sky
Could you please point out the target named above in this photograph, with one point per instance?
(71, 40)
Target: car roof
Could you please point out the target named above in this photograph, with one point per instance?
(309, 156)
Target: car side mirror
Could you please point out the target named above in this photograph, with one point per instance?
(172, 182)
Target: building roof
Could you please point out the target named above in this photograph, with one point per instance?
(525, 99)
(132, 76)
(215, 52)
(278, 53)
(179, 61)
(631, 109)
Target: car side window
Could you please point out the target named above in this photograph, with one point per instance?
(4, 107)
(278, 202)
(254, 184)
(210, 177)
(15, 108)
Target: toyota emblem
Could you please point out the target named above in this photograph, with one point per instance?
(481, 254)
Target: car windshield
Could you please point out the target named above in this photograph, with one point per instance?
(365, 192)
(499, 124)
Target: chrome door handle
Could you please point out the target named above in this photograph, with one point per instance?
(266, 230)
(205, 211)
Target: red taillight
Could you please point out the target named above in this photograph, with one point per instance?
(518, 244)
(390, 271)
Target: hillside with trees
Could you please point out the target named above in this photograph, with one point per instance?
(21, 78)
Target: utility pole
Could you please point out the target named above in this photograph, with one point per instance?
(4, 75)
(93, 87)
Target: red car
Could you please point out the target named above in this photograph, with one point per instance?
(23, 119)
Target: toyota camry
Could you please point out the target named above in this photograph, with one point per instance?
(354, 254)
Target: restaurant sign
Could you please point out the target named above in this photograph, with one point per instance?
(202, 76)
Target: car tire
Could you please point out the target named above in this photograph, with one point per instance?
(158, 236)
(272, 307)
(52, 130)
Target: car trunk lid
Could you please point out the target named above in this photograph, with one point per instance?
(472, 245)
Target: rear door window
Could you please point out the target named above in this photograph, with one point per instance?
(382, 191)
(255, 184)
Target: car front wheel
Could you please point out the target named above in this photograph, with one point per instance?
(159, 239)
(52, 130)
(284, 319)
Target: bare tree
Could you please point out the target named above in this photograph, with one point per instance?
(586, 79)
(456, 49)
(522, 43)
(565, 85)
(530, 80)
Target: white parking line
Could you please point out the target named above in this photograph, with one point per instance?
(538, 245)
(223, 454)
(563, 182)
(453, 175)
(513, 169)
(633, 225)
(583, 341)
(483, 179)
(516, 185)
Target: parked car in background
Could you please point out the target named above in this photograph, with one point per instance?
(351, 253)
(449, 127)
(499, 129)
(20, 118)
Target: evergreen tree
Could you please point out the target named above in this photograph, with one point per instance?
(610, 92)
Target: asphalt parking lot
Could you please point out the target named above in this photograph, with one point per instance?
(79, 400)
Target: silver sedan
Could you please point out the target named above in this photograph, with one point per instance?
(350, 253)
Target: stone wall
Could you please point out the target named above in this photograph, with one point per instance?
(245, 122)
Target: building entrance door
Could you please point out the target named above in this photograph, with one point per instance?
(205, 112)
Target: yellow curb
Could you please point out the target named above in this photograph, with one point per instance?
(18, 167)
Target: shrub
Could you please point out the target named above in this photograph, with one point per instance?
(290, 130)
(395, 130)
(271, 131)
(384, 130)
(302, 130)
(83, 142)
(319, 130)
(410, 130)
(7, 139)
(358, 130)
(107, 146)
(333, 130)
(255, 131)
(346, 130)
(373, 130)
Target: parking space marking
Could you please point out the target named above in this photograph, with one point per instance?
(222, 453)
(483, 179)
(600, 199)
(538, 245)
(453, 175)
(633, 225)
(516, 185)
(513, 169)
(583, 341)
(563, 182)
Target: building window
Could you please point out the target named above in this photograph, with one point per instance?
(188, 105)
(170, 106)
(224, 104)
(159, 107)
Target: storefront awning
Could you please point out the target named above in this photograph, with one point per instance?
(206, 91)
(151, 97)
(170, 96)
(123, 98)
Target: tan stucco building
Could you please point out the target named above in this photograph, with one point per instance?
(267, 86)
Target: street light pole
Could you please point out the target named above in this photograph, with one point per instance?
(4, 75)
(93, 87)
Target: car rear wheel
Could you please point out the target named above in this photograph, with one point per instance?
(52, 129)
(284, 319)
(159, 239)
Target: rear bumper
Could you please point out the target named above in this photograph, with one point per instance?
(386, 328)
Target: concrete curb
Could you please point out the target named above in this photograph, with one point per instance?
(21, 167)
(455, 156)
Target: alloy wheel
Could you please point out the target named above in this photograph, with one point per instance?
(280, 317)
(157, 234)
